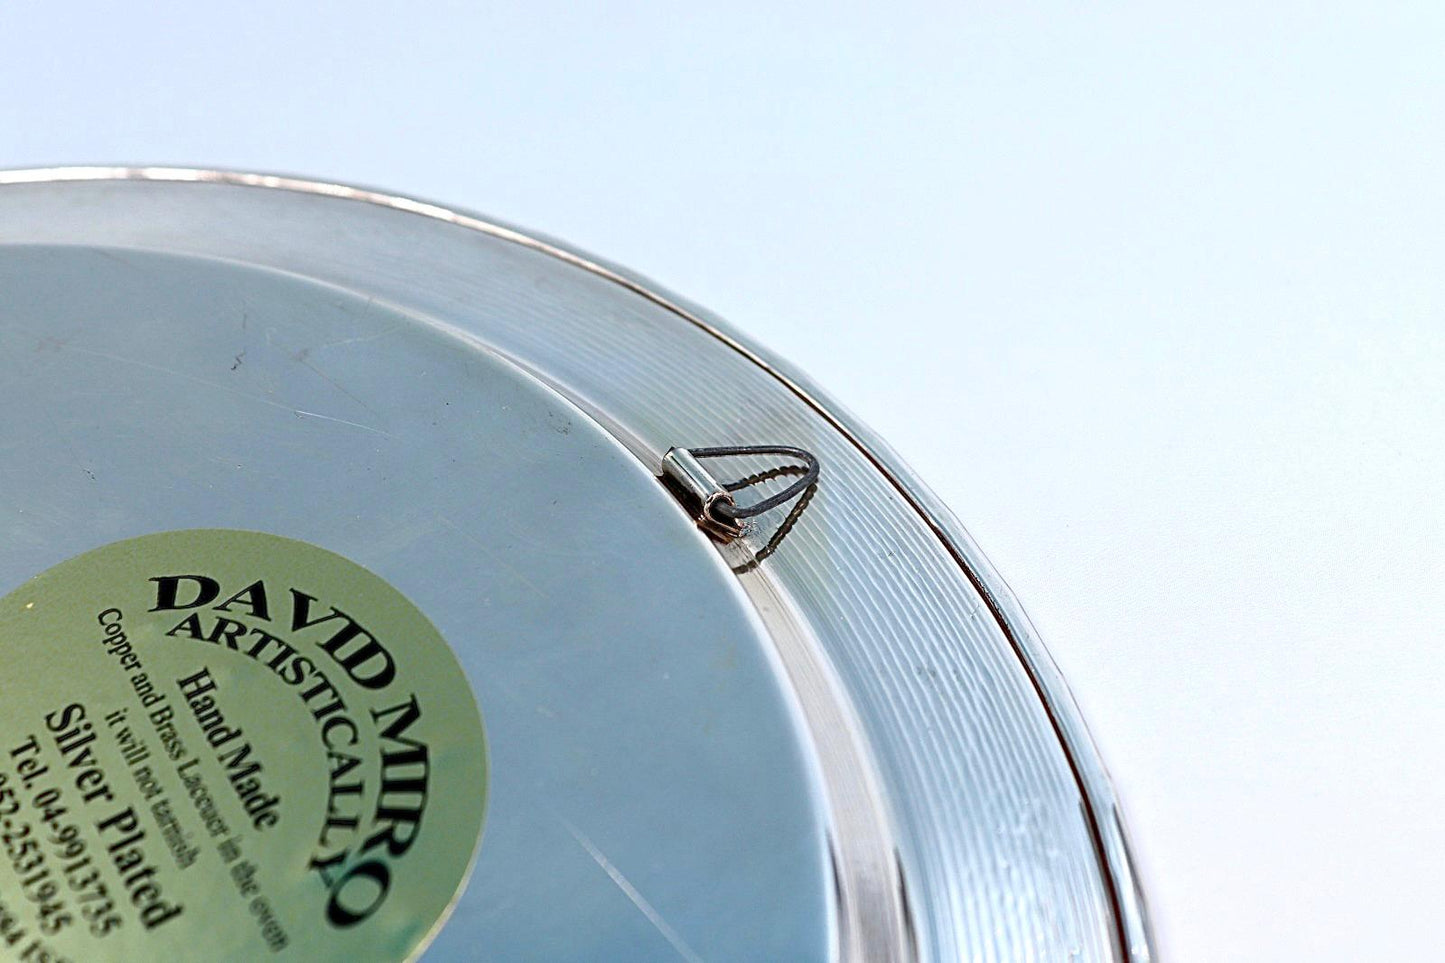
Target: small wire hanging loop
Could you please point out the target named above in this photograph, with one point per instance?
(808, 472)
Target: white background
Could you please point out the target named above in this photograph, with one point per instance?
(1151, 294)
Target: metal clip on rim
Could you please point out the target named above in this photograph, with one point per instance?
(711, 501)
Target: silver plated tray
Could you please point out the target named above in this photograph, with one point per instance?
(823, 731)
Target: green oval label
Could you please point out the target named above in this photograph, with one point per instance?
(229, 746)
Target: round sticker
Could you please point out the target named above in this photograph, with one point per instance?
(229, 746)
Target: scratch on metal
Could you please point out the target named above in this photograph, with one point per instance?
(638, 900)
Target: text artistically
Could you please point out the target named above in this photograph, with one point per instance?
(346, 680)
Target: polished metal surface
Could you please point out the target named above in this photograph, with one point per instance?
(925, 753)
(635, 719)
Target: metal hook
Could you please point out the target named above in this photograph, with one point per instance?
(711, 501)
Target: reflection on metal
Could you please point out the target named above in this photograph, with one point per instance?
(931, 791)
(711, 502)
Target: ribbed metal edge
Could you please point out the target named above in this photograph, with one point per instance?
(1103, 813)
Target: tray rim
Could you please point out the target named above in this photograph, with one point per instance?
(1102, 810)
